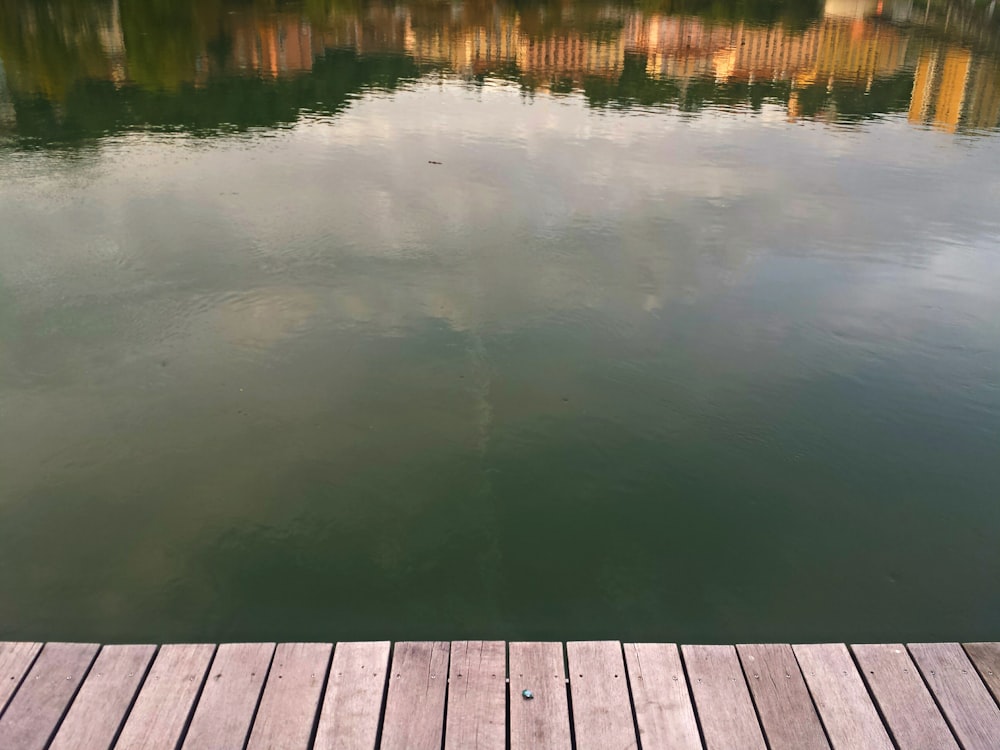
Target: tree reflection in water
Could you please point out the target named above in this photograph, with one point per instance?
(75, 70)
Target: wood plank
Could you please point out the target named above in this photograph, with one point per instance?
(541, 723)
(986, 657)
(99, 709)
(287, 711)
(784, 705)
(166, 699)
(722, 699)
(660, 696)
(967, 704)
(35, 711)
(414, 709)
(907, 707)
(477, 696)
(349, 719)
(15, 661)
(601, 707)
(232, 690)
(841, 698)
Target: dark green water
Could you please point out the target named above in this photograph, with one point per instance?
(691, 330)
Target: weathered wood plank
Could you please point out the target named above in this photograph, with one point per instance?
(783, 702)
(907, 707)
(660, 697)
(352, 707)
(232, 690)
(986, 657)
(602, 708)
(99, 709)
(288, 708)
(167, 696)
(477, 696)
(15, 661)
(841, 698)
(35, 711)
(543, 721)
(967, 704)
(722, 699)
(414, 710)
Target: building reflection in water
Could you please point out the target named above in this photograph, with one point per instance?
(949, 90)
(855, 44)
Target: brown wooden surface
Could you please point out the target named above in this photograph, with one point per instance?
(440, 696)
(229, 699)
(477, 696)
(290, 703)
(913, 718)
(543, 721)
(841, 698)
(722, 699)
(15, 661)
(961, 693)
(352, 706)
(601, 707)
(986, 657)
(39, 704)
(166, 698)
(99, 709)
(660, 697)
(784, 705)
(414, 712)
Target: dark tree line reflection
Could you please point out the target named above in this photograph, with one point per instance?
(76, 69)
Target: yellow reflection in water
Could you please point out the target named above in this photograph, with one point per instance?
(852, 43)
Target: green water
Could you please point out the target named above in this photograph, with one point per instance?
(567, 320)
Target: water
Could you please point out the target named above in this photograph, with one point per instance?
(565, 320)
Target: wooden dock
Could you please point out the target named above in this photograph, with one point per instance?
(464, 695)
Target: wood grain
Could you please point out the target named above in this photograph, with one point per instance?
(440, 696)
(352, 707)
(907, 707)
(477, 696)
(722, 699)
(784, 705)
(414, 710)
(15, 661)
(167, 696)
(601, 707)
(35, 711)
(660, 697)
(965, 700)
(841, 698)
(288, 708)
(986, 657)
(541, 723)
(229, 699)
(99, 709)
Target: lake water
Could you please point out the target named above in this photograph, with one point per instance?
(487, 319)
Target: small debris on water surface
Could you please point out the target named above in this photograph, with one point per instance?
(430, 161)
(528, 695)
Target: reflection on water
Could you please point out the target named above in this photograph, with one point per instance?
(178, 63)
(530, 320)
